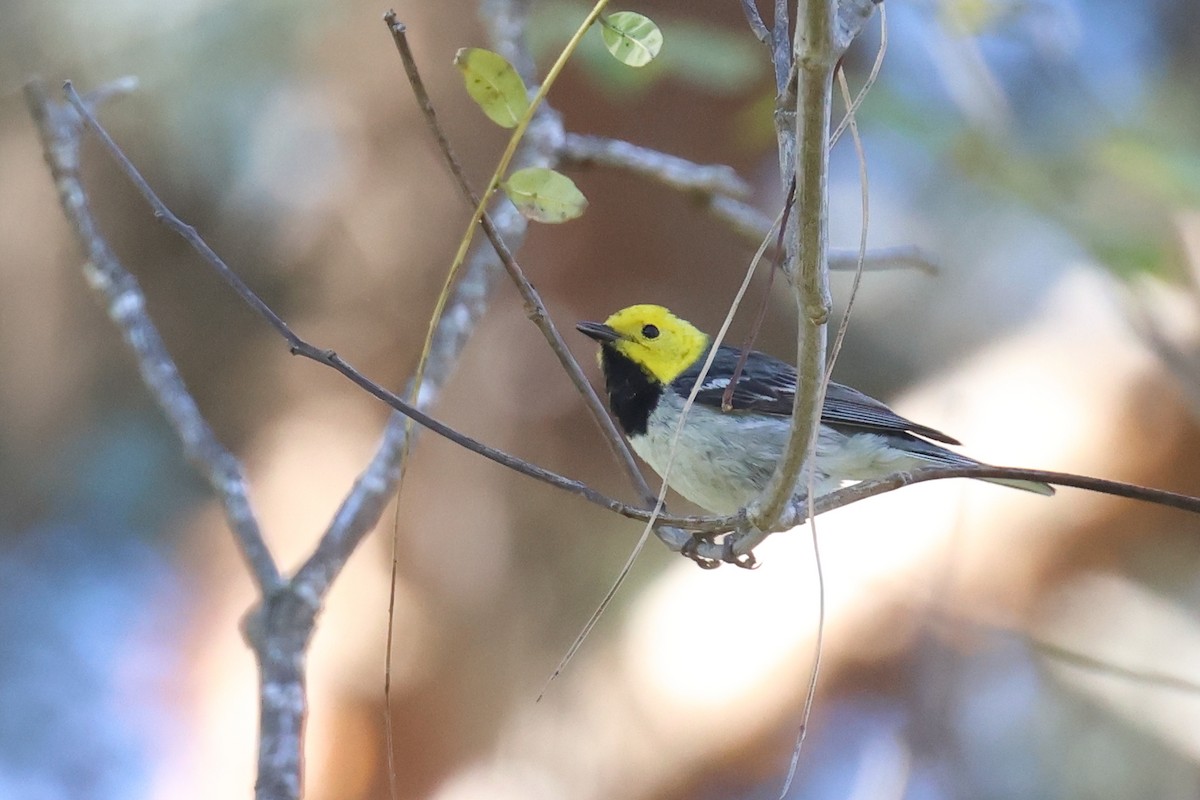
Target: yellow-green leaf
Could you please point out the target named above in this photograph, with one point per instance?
(633, 39)
(493, 84)
(544, 195)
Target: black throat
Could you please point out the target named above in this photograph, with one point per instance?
(632, 394)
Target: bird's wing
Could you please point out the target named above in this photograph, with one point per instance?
(846, 406)
(768, 386)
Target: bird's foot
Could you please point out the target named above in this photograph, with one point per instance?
(729, 556)
(691, 549)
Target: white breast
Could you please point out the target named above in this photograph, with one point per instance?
(722, 461)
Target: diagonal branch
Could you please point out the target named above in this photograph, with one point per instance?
(59, 128)
(534, 307)
(672, 171)
(350, 529)
(722, 189)
(755, 20)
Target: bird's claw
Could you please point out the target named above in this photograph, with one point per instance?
(691, 549)
(747, 561)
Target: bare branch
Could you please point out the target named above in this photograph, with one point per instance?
(744, 541)
(816, 61)
(724, 189)
(881, 259)
(279, 629)
(59, 128)
(673, 171)
(852, 17)
(746, 220)
(781, 48)
(507, 22)
(755, 20)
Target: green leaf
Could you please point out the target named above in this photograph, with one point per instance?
(705, 56)
(494, 85)
(633, 39)
(544, 195)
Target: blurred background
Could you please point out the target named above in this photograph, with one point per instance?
(977, 643)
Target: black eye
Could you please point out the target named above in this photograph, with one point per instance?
(650, 331)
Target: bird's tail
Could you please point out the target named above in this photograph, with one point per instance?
(935, 454)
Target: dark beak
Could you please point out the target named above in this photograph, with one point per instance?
(598, 331)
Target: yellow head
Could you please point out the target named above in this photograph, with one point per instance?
(652, 337)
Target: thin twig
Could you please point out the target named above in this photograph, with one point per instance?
(299, 346)
(331, 359)
(865, 202)
(166, 217)
(789, 203)
(535, 309)
(59, 128)
(536, 150)
(810, 694)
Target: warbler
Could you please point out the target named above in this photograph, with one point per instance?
(723, 459)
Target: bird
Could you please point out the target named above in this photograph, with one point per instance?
(723, 459)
